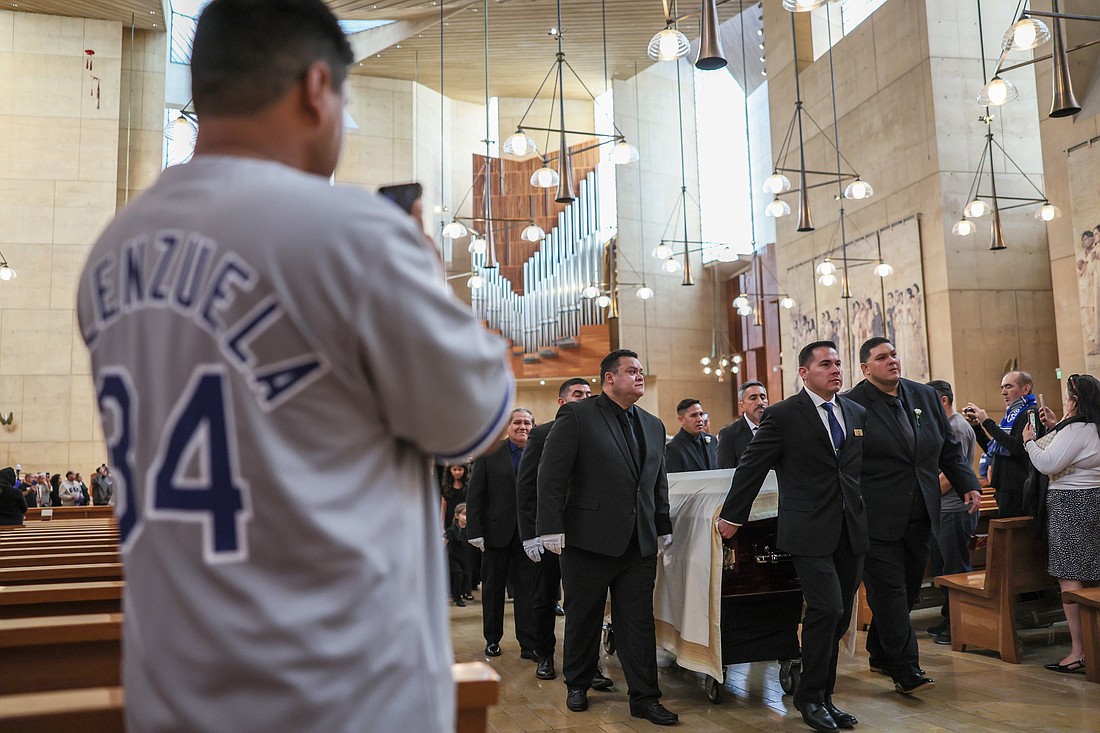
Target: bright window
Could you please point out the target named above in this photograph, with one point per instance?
(723, 162)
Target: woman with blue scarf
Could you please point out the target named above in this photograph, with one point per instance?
(1070, 455)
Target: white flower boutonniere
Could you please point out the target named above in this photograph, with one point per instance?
(707, 439)
(916, 414)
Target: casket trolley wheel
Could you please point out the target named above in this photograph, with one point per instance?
(714, 688)
(608, 638)
(790, 675)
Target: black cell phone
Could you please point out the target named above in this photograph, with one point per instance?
(403, 194)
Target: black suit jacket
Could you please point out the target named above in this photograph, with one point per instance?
(893, 470)
(527, 499)
(732, 442)
(681, 453)
(818, 488)
(589, 487)
(1008, 473)
(491, 500)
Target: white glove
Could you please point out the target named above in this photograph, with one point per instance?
(664, 542)
(478, 542)
(533, 548)
(554, 543)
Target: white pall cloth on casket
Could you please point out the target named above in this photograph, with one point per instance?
(687, 599)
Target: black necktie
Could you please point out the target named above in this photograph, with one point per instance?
(903, 422)
(626, 420)
(700, 442)
(517, 455)
(835, 431)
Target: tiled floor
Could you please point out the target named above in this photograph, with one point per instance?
(975, 691)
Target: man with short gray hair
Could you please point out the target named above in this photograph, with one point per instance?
(752, 400)
(1003, 442)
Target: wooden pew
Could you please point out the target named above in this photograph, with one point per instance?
(477, 690)
(61, 599)
(45, 548)
(58, 558)
(60, 652)
(99, 709)
(983, 602)
(29, 574)
(94, 710)
(1089, 600)
(65, 513)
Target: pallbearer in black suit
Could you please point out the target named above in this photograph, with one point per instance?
(752, 400)
(909, 442)
(691, 449)
(548, 571)
(814, 441)
(603, 505)
(492, 524)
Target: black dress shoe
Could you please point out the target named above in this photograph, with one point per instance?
(841, 718)
(558, 610)
(1077, 665)
(817, 716)
(545, 670)
(577, 701)
(528, 654)
(654, 712)
(939, 628)
(912, 685)
(492, 650)
(458, 601)
(599, 682)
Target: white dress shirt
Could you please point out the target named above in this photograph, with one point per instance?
(824, 415)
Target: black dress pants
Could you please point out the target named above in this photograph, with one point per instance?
(496, 563)
(588, 577)
(828, 586)
(547, 585)
(893, 574)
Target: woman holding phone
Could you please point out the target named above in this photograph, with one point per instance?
(1069, 454)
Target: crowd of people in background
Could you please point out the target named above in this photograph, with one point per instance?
(21, 490)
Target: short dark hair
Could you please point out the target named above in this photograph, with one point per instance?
(611, 362)
(871, 343)
(248, 53)
(807, 354)
(685, 403)
(943, 389)
(746, 385)
(563, 390)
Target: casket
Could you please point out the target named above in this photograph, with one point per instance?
(719, 603)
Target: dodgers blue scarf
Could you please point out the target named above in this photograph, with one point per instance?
(1013, 412)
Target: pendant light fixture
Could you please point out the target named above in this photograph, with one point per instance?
(520, 142)
(1024, 35)
(1030, 32)
(778, 183)
(671, 45)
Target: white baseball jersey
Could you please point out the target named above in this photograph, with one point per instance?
(275, 359)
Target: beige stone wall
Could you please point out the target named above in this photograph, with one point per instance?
(1058, 136)
(905, 83)
(141, 112)
(672, 330)
(59, 130)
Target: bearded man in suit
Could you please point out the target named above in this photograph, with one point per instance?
(752, 400)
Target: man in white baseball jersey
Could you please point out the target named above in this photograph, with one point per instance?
(251, 329)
